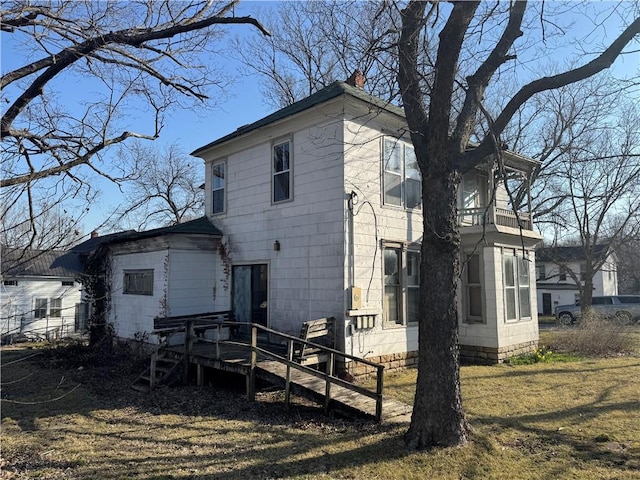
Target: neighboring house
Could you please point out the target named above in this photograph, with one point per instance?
(554, 282)
(176, 270)
(320, 207)
(41, 294)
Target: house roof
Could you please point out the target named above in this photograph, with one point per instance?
(199, 226)
(17, 262)
(334, 90)
(568, 254)
(331, 91)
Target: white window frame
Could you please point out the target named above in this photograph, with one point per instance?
(406, 282)
(55, 307)
(217, 188)
(521, 287)
(40, 311)
(137, 282)
(285, 171)
(469, 284)
(402, 174)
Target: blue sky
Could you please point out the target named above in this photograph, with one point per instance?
(242, 104)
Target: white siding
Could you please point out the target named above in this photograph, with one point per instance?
(305, 276)
(195, 284)
(18, 303)
(132, 315)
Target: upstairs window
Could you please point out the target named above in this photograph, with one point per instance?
(542, 272)
(40, 308)
(138, 282)
(11, 283)
(217, 187)
(281, 171)
(402, 183)
(562, 276)
(55, 307)
(68, 283)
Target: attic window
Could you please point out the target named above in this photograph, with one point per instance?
(11, 283)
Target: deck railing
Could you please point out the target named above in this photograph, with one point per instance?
(193, 328)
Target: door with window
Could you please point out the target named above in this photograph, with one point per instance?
(250, 294)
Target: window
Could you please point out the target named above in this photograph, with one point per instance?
(562, 276)
(68, 283)
(517, 295)
(138, 282)
(218, 187)
(473, 290)
(282, 171)
(402, 183)
(11, 283)
(55, 307)
(40, 309)
(542, 272)
(401, 284)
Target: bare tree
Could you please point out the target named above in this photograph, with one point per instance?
(443, 156)
(165, 190)
(629, 266)
(598, 181)
(315, 43)
(131, 62)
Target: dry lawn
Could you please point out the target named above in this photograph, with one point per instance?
(575, 420)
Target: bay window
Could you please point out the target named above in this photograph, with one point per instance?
(517, 293)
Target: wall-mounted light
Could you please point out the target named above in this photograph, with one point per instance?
(276, 246)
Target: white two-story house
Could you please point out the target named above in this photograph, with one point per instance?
(558, 269)
(319, 205)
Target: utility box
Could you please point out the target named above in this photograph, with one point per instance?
(356, 298)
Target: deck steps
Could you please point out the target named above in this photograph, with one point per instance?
(166, 372)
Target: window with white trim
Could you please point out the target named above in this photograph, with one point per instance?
(517, 290)
(473, 289)
(40, 308)
(218, 187)
(138, 282)
(55, 307)
(402, 184)
(401, 283)
(281, 165)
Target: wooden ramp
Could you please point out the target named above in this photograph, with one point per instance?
(341, 399)
(276, 357)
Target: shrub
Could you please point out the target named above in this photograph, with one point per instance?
(596, 336)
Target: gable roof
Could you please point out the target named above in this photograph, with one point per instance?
(329, 92)
(17, 262)
(569, 254)
(199, 226)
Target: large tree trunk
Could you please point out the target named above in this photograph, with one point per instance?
(438, 417)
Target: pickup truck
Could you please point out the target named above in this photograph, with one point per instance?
(624, 307)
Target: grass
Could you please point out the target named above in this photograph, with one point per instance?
(574, 420)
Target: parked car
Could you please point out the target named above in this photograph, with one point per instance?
(624, 307)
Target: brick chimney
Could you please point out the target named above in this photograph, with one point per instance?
(94, 234)
(356, 79)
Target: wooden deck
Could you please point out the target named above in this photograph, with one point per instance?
(235, 357)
